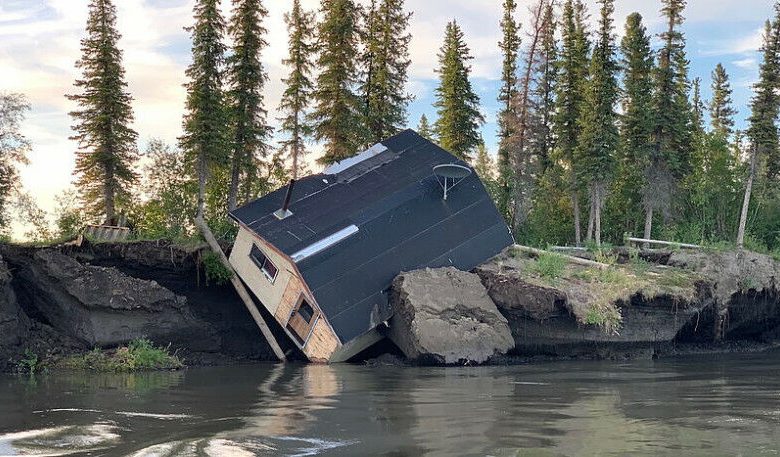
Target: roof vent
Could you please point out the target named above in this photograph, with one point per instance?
(324, 243)
(338, 167)
(450, 175)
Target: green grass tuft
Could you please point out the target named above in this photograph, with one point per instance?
(549, 266)
(139, 355)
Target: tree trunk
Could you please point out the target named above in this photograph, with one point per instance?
(239, 286)
(746, 200)
(202, 170)
(109, 197)
(235, 175)
(648, 225)
(597, 218)
(577, 232)
(591, 215)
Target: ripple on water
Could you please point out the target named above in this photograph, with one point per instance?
(56, 441)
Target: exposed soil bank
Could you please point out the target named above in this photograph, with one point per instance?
(58, 301)
(688, 302)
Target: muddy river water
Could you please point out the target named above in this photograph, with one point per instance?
(699, 406)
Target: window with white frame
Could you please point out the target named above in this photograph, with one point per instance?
(263, 263)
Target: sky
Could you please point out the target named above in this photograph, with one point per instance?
(39, 44)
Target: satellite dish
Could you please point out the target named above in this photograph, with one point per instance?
(449, 175)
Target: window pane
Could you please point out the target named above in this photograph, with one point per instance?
(270, 269)
(306, 311)
(257, 256)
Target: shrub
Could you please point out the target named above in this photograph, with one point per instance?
(30, 363)
(216, 271)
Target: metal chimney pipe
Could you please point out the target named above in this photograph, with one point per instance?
(289, 195)
(284, 211)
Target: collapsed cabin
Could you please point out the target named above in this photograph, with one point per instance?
(321, 254)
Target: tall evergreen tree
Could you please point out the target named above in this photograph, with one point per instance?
(638, 120)
(510, 49)
(672, 133)
(298, 85)
(543, 92)
(337, 110)
(107, 144)
(525, 119)
(697, 107)
(205, 141)
(765, 107)
(246, 78)
(721, 107)
(456, 102)
(598, 120)
(386, 65)
(572, 76)
(424, 128)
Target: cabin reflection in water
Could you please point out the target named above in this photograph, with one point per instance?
(321, 254)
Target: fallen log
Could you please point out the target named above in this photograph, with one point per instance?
(240, 289)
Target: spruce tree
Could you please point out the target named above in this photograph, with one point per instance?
(424, 128)
(456, 102)
(697, 107)
(246, 78)
(205, 141)
(386, 63)
(638, 120)
(298, 86)
(672, 133)
(510, 49)
(107, 144)
(765, 107)
(337, 110)
(572, 76)
(599, 136)
(543, 92)
(721, 107)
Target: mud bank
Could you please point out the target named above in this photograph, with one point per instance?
(57, 301)
(665, 303)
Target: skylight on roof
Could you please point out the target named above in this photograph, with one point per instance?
(338, 167)
(324, 243)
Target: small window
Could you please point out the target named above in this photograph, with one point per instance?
(306, 311)
(262, 262)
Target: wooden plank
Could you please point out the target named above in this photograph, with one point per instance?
(240, 289)
(663, 243)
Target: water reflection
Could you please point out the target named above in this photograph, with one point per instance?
(690, 407)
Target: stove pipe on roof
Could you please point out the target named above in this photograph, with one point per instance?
(284, 212)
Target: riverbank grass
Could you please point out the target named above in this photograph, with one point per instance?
(595, 295)
(138, 355)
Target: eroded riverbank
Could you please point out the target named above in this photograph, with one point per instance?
(63, 300)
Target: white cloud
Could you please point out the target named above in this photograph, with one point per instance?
(40, 43)
(748, 63)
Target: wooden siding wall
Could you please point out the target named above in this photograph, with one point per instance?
(281, 297)
(270, 295)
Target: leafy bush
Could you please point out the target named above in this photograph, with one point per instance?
(30, 363)
(216, 271)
